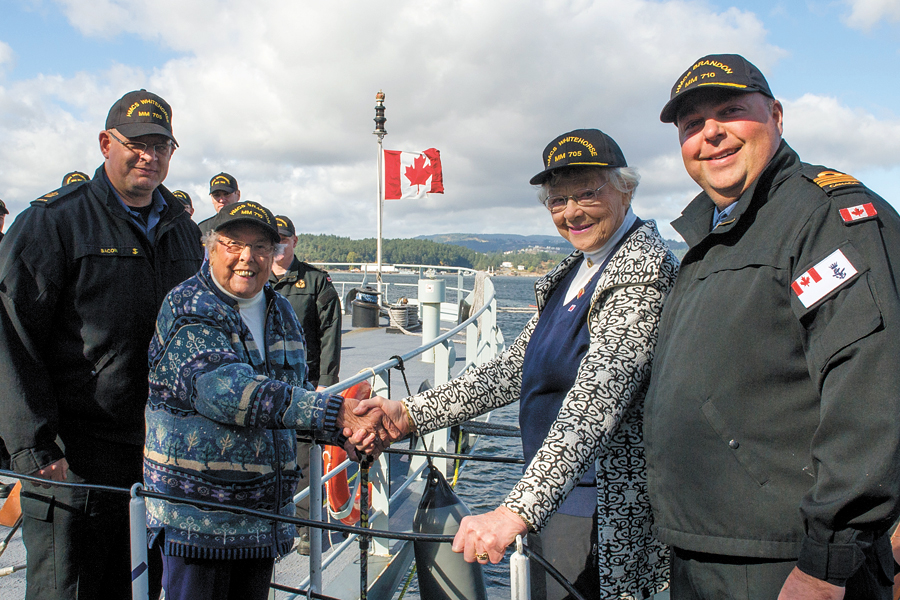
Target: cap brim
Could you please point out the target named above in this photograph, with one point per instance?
(273, 233)
(670, 110)
(222, 188)
(540, 177)
(133, 130)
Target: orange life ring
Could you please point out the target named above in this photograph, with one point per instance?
(337, 489)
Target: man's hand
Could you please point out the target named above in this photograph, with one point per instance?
(489, 534)
(55, 471)
(368, 430)
(394, 417)
(800, 586)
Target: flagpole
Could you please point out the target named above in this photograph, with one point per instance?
(380, 120)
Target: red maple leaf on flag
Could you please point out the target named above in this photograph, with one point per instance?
(419, 173)
(804, 281)
(858, 212)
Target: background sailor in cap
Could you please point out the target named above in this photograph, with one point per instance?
(318, 308)
(74, 177)
(223, 191)
(773, 416)
(186, 200)
(83, 272)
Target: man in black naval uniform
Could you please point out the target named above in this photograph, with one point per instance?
(318, 308)
(773, 415)
(83, 272)
(316, 303)
(223, 191)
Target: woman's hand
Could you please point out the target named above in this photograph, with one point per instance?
(490, 533)
(394, 419)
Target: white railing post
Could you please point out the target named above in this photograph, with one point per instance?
(316, 468)
(519, 573)
(431, 294)
(140, 578)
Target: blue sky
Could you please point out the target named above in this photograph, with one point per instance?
(281, 94)
(46, 43)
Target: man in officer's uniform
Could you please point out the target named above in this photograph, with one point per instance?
(316, 303)
(318, 308)
(772, 427)
(83, 272)
(223, 191)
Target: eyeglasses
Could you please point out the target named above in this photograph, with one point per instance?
(261, 250)
(162, 150)
(582, 198)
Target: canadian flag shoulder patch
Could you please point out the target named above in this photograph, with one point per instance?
(825, 277)
(860, 212)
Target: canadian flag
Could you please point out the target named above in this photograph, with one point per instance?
(855, 213)
(412, 174)
(826, 276)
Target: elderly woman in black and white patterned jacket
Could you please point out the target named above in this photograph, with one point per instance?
(580, 370)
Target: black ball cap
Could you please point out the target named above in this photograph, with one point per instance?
(247, 212)
(223, 181)
(285, 226)
(183, 196)
(582, 147)
(716, 71)
(3, 210)
(141, 113)
(74, 177)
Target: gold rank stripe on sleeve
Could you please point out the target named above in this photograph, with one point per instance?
(830, 180)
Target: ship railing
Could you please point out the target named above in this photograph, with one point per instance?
(483, 342)
(519, 561)
(364, 273)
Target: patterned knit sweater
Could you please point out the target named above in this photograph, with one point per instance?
(220, 422)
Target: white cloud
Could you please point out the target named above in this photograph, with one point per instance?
(281, 95)
(864, 14)
(825, 132)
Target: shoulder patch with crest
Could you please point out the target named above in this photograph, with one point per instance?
(819, 281)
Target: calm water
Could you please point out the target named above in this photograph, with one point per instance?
(482, 486)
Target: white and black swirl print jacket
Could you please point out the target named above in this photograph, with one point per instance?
(600, 419)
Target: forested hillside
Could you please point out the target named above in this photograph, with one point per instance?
(331, 248)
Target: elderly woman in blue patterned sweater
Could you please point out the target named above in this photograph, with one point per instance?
(581, 369)
(228, 387)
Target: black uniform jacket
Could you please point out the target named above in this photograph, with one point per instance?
(80, 287)
(773, 428)
(318, 308)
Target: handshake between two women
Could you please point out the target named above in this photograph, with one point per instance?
(374, 424)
